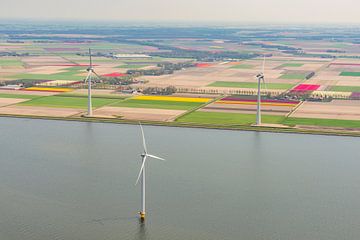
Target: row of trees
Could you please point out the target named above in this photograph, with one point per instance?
(160, 91)
(162, 69)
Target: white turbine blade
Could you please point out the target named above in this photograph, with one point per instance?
(88, 76)
(90, 58)
(152, 156)
(263, 66)
(263, 72)
(98, 76)
(141, 169)
(143, 137)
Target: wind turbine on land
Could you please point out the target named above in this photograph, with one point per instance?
(88, 78)
(144, 156)
(261, 78)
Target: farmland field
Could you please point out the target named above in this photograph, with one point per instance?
(10, 62)
(243, 66)
(47, 71)
(322, 122)
(173, 105)
(345, 88)
(226, 118)
(68, 102)
(350, 74)
(251, 85)
(293, 76)
(292, 65)
(24, 96)
(59, 76)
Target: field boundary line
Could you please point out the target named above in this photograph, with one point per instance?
(199, 107)
(294, 109)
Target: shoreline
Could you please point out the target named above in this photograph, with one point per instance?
(193, 125)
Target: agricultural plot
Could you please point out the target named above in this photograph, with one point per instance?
(305, 88)
(10, 101)
(39, 111)
(56, 76)
(336, 109)
(319, 122)
(160, 102)
(220, 118)
(251, 85)
(144, 114)
(350, 74)
(291, 65)
(68, 102)
(247, 105)
(10, 62)
(293, 76)
(48, 89)
(19, 96)
(243, 66)
(345, 88)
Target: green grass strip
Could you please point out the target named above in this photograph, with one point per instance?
(227, 118)
(110, 96)
(59, 76)
(242, 66)
(350, 74)
(322, 122)
(345, 88)
(67, 102)
(22, 96)
(293, 76)
(292, 65)
(10, 62)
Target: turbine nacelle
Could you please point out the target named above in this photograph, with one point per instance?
(261, 76)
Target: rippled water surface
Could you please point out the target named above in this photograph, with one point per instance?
(70, 180)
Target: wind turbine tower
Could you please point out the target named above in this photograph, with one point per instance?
(88, 79)
(144, 156)
(261, 78)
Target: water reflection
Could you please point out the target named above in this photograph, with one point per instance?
(141, 233)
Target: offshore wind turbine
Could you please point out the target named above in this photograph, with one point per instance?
(261, 78)
(144, 156)
(88, 78)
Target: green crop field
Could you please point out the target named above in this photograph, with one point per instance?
(67, 102)
(322, 122)
(111, 96)
(10, 62)
(291, 76)
(23, 96)
(157, 104)
(226, 118)
(243, 66)
(350, 74)
(345, 88)
(292, 65)
(57, 76)
(251, 85)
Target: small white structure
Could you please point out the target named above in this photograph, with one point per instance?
(122, 56)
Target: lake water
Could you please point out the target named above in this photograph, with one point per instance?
(72, 180)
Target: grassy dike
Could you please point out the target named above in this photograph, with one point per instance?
(195, 125)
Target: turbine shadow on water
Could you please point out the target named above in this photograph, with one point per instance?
(141, 233)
